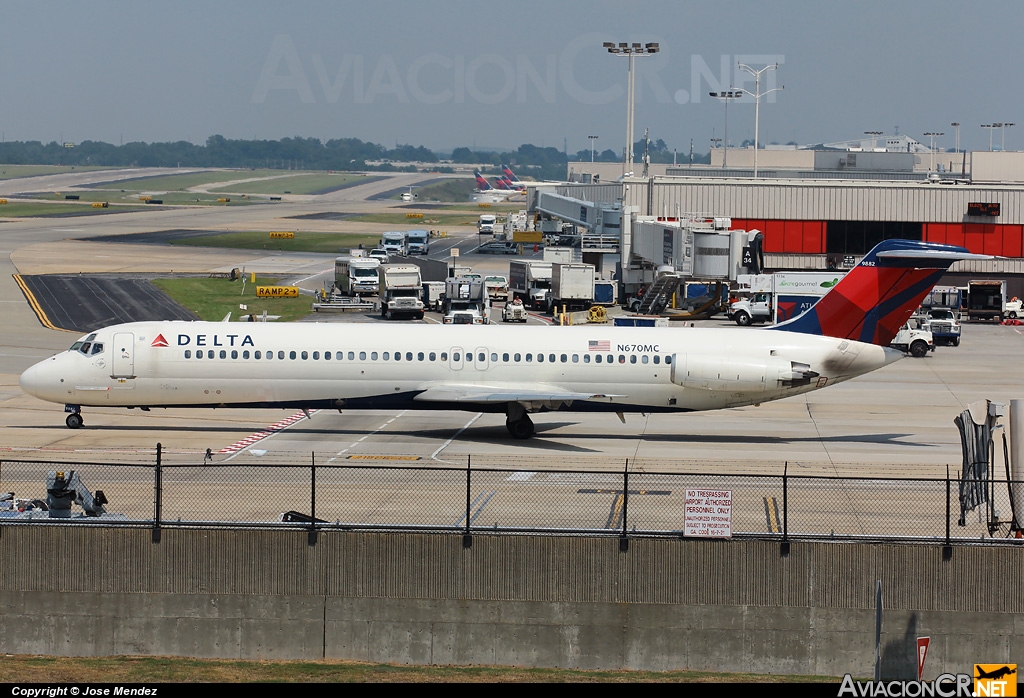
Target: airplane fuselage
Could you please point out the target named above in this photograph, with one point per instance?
(353, 366)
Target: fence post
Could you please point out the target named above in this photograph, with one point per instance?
(158, 478)
(312, 498)
(947, 548)
(784, 547)
(623, 539)
(467, 537)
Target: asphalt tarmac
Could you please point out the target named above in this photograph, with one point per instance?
(896, 421)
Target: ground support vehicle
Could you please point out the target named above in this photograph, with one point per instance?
(779, 297)
(513, 312)
(986, 300)
(355, 276)
(418, 241)
(530, 282)
(914, 341)
(395, 243)
(465, 302)
(400, 294)
(572, 287)
(944, 325)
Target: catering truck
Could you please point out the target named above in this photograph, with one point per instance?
(779, 297)
(986, 300)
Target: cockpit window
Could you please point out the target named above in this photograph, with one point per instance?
(83, 345)
(97, 348)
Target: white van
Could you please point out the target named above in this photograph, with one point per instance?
(488, 224)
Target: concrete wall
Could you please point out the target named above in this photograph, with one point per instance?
(512, 600)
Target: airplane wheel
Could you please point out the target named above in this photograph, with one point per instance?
(521, 428)
(74, 421)
(742, 318)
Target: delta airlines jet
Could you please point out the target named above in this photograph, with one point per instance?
(493, 369)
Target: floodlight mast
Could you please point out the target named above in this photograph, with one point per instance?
(725, 97)
(757, 95)
(630, 51)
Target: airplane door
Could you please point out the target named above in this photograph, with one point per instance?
(481, 358)
(455, 359)
(122, 363)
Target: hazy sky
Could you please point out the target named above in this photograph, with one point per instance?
(498, 73)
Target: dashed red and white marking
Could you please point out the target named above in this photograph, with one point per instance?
(269, 431)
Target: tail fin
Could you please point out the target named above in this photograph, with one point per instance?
(500, 183)
(481, 183)
(509, 174)
(871, 303)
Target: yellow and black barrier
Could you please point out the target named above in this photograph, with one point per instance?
(282, 235)
(100, 204)
(414, 215)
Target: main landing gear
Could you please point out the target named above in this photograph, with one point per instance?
(74, 420)
(518, 422)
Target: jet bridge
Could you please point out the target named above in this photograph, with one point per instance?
(601, 221)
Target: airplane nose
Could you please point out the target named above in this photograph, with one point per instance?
(38, 381)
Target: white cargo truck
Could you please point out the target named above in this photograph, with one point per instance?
(572, 287)
(779, 297)
(465, 302)
(530, 282)
(401, 291)
(418, 241)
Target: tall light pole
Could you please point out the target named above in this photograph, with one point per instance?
(931, 147)
(874, 137)
(956, 125)
(757, 95)
(592, 139)
(630, 51)
(1003, 129)
(990, 127)
(725, 97)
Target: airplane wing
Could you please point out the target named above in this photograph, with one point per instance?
(494, 393)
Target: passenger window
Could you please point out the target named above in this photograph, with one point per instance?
(234, 353)
(373, 356)
(575, 358)
(352, 356)
(632, 359)
(504, 357)
(316, 355)
(408, 356)
(327, 355)
(597, 359)
(644, 358)
(419, 356)
(305, 355)
(668, 359)
(209, 354)
(657, 359)
(291, 355)
(387, 356)
(481, 357)
(494, 356)
(280, 355)
(444, 356)
(245, 354)
(564, 358)
(518, 358)
(551, 358)
(188, 353)
(540, 358)
(622, 358)
(433, 356)
(586, 358)
(529, 358)
(223, 354)
(362, 355)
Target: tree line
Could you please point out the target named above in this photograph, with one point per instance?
(301, 153)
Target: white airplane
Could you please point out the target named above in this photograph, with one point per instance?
(493, 369)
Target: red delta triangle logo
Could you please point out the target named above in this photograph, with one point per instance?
(159, 341)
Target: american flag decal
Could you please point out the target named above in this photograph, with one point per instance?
(599, 345)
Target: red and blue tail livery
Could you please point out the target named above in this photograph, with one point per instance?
(875, 299)
(481, 183)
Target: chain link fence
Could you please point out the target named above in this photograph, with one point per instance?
(525, 496)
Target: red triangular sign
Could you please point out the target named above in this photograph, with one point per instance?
(922, 652)
(159, 341)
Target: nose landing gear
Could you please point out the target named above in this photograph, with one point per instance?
(74, 419)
